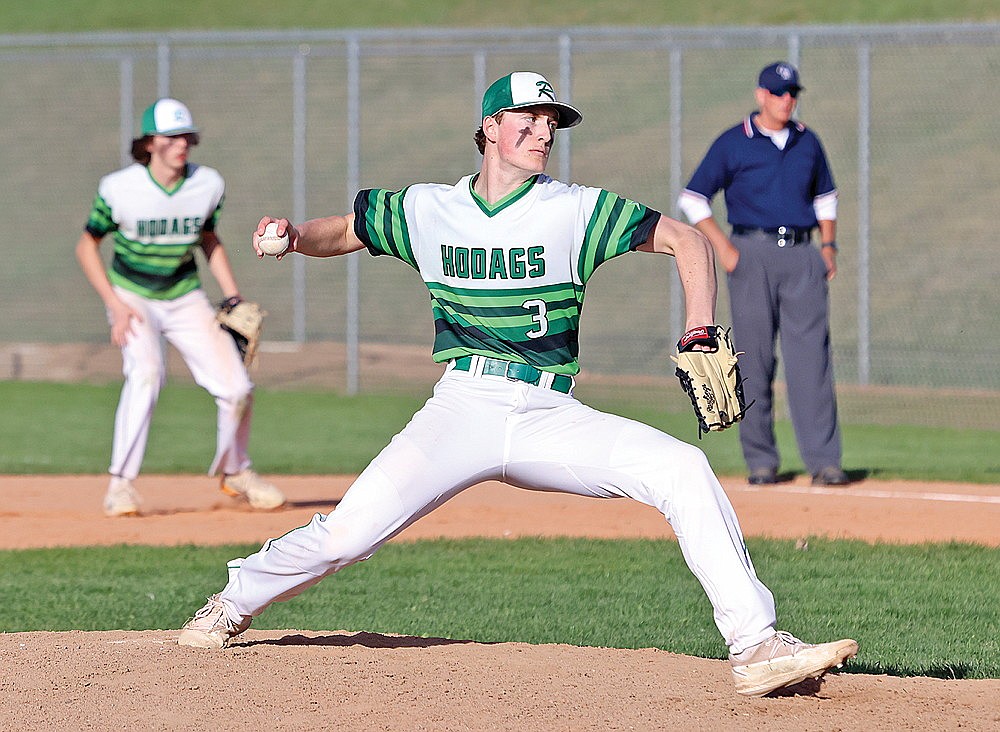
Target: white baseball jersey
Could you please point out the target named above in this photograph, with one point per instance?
(155, 273)
(506, 281)
(156, 230)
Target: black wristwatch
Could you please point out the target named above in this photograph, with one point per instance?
(829, 245)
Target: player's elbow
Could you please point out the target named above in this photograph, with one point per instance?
(677, 238)
(86, 244)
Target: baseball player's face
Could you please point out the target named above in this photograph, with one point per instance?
(171, 151)
(525, 137)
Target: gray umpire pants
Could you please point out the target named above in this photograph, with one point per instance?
(783, 289)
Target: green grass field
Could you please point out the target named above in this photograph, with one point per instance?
(66, 428)
(82, 15)
(913, 609)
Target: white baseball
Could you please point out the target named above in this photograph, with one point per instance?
(271, 243)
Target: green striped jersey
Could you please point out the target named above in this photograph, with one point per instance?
(156, 230)
(507, 280)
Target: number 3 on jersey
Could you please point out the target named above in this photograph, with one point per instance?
(539, 317)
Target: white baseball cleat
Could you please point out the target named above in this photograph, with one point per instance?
(211, 627)
(121, 498)
(784, 660)
(259, 493)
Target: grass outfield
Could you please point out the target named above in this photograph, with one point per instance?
(83, 15)
(66, 428)
(916, 610)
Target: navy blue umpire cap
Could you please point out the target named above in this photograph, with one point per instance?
(779, 78)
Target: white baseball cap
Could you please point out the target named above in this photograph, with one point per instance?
(527, 89)
(167, 117)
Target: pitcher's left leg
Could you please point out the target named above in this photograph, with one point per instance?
(580, 450)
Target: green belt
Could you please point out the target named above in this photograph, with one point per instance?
(516, 372)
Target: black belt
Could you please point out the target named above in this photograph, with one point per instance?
(516, 372)
(783, 234)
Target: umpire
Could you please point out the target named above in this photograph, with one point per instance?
(778, 189)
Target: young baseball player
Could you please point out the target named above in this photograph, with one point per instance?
(159, 210)
(506, 254)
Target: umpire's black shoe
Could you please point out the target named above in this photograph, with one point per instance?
(831, 475)
(763, 476)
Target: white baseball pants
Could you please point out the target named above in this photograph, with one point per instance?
(189, 324)
(478, 428)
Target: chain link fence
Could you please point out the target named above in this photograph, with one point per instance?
(297, 121)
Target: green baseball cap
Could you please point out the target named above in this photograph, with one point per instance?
(527, 89)
(167, 117)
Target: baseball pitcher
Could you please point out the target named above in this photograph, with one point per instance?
(506, 255)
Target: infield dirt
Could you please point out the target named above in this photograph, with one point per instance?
(346, 680)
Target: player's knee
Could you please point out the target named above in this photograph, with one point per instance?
(237, 395)
(342, 546)
(146, 375)
(339, 542)
(682, 462)
(321, 547)
(695, 456)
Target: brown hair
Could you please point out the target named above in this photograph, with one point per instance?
(139, 152)
(480, 136)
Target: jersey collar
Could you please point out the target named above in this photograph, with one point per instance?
(750, 128)
(177, 186)
(511, 198)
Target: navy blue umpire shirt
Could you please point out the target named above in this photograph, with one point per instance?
(765, 187)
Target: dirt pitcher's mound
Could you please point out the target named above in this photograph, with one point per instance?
(295, 680)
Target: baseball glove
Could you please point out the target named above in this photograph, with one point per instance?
(244, 321)
(711, 377)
